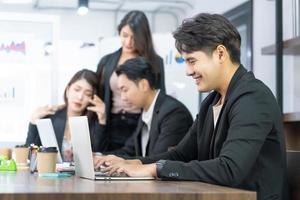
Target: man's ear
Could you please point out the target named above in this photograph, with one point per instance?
(144, 85)
(222, 53)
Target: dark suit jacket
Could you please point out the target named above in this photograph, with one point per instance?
(245, 150)
(170, 122)
(107, 66)
(59, 121)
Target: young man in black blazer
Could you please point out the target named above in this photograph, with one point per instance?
(237, 139)
(164, 120)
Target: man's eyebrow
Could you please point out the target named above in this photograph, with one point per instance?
(189, 59)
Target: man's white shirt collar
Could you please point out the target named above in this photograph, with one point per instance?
(147, 115)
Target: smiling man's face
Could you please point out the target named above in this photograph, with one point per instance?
(204, 69)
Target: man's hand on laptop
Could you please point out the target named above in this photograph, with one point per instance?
(104, 161)
(133, 170)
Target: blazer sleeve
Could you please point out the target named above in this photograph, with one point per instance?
(33, 136)
(185, 151)
(100, 74)
(127, 151)
(101, 64)
(172, 128)
(250, 122)
(99, 140)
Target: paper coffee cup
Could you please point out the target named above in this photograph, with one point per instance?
(5, 152)
(21, 154)
(46, 159)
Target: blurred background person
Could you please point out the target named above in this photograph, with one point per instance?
(121, 117)
(77, 96)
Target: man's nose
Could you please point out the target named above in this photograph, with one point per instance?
(189, 70)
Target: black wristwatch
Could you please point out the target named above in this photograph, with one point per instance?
(159, 165)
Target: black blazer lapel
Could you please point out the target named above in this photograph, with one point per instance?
(59, 123)
(153, 134)
(109, 68)
(137, 138)
(215, 133)
(205, 127)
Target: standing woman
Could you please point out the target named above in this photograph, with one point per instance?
(121, 117)
(77, 97)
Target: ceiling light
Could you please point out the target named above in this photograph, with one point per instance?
(83, 7)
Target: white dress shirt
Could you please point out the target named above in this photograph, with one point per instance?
(147, 118)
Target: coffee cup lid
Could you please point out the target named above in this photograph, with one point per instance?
(48, 149)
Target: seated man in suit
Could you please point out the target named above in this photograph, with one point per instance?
(164, 120)
(237, 139)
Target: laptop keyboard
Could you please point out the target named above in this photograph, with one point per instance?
(105, 174)
(100, 172)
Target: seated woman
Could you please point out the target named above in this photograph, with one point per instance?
(77, 97)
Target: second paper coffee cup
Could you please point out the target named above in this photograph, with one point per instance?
(46, 159)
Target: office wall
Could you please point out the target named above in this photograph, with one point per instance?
(25, 72)
(103, 24)
(291, 72)
(290, 69)
(296, 86)
(214, 6)
(263, 35)
(265, 65)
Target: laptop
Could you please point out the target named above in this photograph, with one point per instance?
(83, 155)
(47, 135)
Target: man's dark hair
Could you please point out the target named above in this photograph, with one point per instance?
(136, 69)
(204, 32)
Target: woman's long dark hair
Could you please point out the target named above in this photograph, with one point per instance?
(138, 23)
(92, 79)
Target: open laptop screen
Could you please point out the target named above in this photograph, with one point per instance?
(47, 135)
(82, 151)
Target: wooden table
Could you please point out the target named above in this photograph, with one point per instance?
(22, 185)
